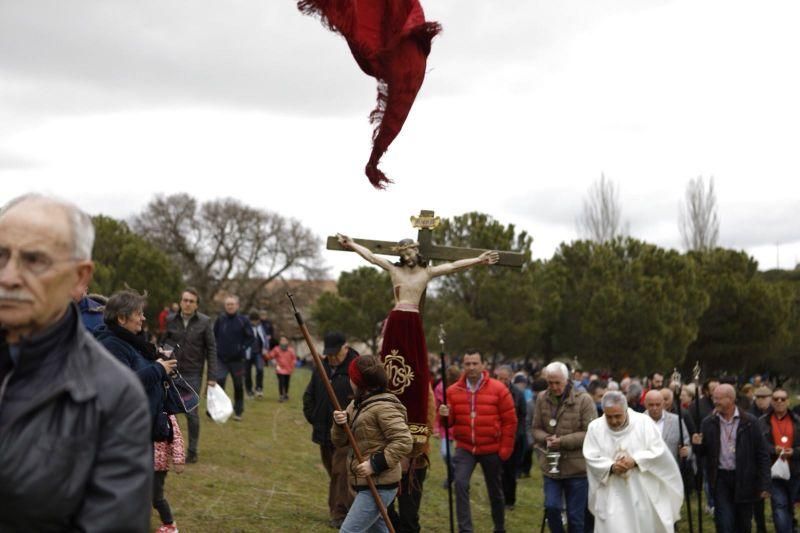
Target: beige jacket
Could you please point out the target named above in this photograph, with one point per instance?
(572, 417)
(380, 428)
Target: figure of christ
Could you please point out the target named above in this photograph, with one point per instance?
(403, 349)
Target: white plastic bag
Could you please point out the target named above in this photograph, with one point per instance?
(218, 405)
(780, 469)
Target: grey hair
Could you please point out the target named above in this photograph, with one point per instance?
(635, 390)
(80, 224)
(123, 304)
(507, 368)
(613, 397)
(558, 367)
(613, 385)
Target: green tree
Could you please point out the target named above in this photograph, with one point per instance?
(623, 304)
(488, 308)
(123, 258)
(748, 319)
(362, 302)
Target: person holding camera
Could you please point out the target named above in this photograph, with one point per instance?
(120, 334)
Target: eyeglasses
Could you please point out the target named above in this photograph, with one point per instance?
(36, 263)
(778, 399)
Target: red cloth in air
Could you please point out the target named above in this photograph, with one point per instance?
(390, 40)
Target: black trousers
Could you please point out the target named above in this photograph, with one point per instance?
(404, 511)
(193, 418)
(160, 503)
(463, 466)
(283, 384)
(510, 468)
(236, 370)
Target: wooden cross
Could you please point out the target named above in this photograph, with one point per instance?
(425, 223)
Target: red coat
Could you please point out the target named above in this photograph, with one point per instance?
(493, 427)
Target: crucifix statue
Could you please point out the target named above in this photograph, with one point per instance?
(403, 349)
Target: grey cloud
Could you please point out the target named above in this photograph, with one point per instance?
(749, 225)
(111, 54)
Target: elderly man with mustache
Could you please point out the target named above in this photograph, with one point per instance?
(74, 424)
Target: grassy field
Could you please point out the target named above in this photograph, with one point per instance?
(263, 474)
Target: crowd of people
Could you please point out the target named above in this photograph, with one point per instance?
(84, 420)
(84, 424)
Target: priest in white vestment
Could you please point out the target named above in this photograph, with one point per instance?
(634, 483)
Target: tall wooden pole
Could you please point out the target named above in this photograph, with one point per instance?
(335, 401)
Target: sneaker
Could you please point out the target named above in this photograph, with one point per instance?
(191, 457)
(237, 418)
(259, 394)
(250, 395)
(168, 528)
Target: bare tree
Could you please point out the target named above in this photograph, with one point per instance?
(698, 222)
(601, 218)
(224, 244)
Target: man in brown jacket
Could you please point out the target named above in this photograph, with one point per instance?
(560, 421)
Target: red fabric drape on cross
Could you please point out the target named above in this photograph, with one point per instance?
(390, 40)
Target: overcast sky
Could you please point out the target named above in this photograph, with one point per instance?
(525, 104)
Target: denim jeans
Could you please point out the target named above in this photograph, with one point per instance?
(257, 362)
(575, 491)
(730, 515)
(784, 493)
(364, 516)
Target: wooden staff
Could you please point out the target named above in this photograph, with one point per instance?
(335, 401)
(676, 404)
(446, 423)
(697, 390)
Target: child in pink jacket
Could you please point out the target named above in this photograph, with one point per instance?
(165, 453)
(285, 361)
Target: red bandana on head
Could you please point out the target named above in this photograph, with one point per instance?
(390, 41)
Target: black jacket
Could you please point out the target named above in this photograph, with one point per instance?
(197, 344)
(766, 429)
(234, 335)
(75, 450)
(317, 408)
(520, 407)
(752, 456)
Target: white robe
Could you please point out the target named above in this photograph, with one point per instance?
(646, 500)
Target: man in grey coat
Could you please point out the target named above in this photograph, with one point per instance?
(75, 431)
(668, 425)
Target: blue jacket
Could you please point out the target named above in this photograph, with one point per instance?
(234, 336)
(91, 313)
(150, 373)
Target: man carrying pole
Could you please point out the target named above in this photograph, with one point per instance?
(346, 428)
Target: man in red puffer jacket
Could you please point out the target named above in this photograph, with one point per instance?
(481, 412)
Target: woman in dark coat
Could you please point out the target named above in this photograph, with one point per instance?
(120, 334)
